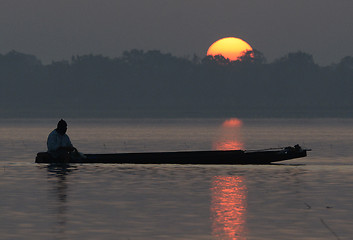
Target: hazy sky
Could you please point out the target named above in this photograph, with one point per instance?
(58, 29)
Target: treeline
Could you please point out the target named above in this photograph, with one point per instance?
(154, 84)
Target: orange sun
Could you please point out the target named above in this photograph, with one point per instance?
(230, 47)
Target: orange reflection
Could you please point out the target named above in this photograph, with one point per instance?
(228, 207)
(229, 137)
(228, 145)
(233, 122)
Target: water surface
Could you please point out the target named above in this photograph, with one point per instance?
(308, 198)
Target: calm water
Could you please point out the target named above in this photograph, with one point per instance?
(308, 198)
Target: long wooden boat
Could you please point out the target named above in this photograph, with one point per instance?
(230, 157)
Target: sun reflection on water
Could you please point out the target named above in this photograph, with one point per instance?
(229, 135)
(228, 207)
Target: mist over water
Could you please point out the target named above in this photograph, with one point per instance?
(307, 198)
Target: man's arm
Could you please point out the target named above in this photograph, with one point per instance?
(67, 144)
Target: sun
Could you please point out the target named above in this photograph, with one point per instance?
(229, 47)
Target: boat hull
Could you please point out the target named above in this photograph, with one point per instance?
(187, 157)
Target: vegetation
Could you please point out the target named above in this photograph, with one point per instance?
(153, 84)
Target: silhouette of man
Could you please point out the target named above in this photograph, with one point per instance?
(59, 144)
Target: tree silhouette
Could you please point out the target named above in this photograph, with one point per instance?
(152, 83)
(217, 59)
(253, 57)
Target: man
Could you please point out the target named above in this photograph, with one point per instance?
(59, 144)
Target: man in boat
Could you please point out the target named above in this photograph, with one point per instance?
(59, 144)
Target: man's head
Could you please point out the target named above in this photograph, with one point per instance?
(62, 127)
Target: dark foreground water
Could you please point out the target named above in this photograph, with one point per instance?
(308, 198)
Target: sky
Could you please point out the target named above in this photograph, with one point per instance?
(55, 30)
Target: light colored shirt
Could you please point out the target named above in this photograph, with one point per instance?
(56, 140)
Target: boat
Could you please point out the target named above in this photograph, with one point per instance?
(225, 157)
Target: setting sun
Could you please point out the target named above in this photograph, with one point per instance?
(230, 47)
